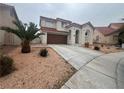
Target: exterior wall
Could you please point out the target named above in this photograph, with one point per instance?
(90, 37)
(50, 24)
(61, 26)
(6, 20)
(17, 40)
(44, 39)
(100, 35)
(71, 39)
(111, 39)
(72, 35)
(114, 27)
(36, 41)
(1, 37)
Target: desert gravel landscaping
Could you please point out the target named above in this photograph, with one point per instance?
(34, 71)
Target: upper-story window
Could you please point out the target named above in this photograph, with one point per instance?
(62, 25)
(50, 24)
(11, 13)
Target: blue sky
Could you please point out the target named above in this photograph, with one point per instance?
(97, 14)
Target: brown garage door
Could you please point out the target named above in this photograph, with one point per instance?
(56, 39)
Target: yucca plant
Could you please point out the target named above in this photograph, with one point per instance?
(26, 32)
(43, 52)
(6, 65)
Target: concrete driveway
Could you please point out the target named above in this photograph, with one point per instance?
(95, 69)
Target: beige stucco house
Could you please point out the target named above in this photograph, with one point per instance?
(107, 35)
(61, 31)
(7, 15)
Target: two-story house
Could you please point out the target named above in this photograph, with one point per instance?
(61, 31)
(7, 15)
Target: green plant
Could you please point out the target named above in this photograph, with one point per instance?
(43, 52)
(97, 48)
(102, 45)
(26, 32)
(87, 44)
(6, 65)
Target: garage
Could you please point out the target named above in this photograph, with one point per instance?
(56, 39)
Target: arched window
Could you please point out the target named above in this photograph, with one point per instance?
(87, 35)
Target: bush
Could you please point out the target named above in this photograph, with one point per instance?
(6, 65)
(102, 45)
(87, 44)
(96, 48)
(44, 52)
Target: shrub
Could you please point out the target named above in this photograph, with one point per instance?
(44, 52)
(87, 44)
(96, 48)
(102, 45)
(6, 65)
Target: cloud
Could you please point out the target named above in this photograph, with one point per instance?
(98, 14)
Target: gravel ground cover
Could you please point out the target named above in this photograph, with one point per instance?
(34, 71)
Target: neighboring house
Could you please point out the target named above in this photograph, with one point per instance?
(7, 15)
(107, 35)
(61, 31)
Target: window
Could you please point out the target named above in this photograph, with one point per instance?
(11, 13)
(87, 35)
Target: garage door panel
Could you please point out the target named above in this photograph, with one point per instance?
(56, 39)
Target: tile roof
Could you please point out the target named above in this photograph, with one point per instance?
(112, 28)
(88, 23)
(74, 24)
(63, 20)
(5, 5)
(105, 30)
(117, 25)
(47, 29)
(49, 19)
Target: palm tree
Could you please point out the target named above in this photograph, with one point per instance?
(26, 32)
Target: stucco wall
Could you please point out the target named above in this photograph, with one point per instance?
(100, 35)
(90, 37)
(105, 39)
(48, 24)
(61, 26)
(6, 20)
(110, 39)
(72, 35)
(44, 38)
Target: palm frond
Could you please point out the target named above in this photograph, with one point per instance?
(24, 32)
(10, 30)
(37, 36)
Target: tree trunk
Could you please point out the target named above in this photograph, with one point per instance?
(25, 46)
